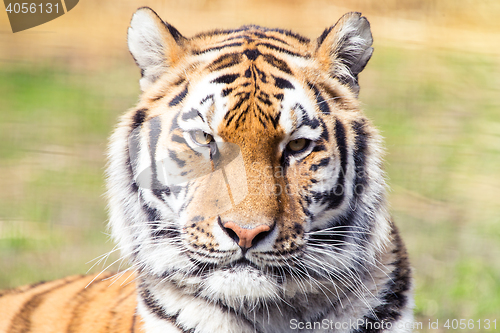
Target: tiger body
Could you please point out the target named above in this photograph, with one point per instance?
(77, 304)
(246, 187)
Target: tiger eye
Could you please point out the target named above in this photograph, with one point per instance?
(297, 145)
(201, 137)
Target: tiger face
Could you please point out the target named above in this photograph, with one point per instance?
(247, 175)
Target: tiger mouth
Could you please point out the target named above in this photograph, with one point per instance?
(235, 265)
(241, 264)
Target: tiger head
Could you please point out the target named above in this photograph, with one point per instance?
(247, 172)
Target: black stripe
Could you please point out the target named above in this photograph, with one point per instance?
(287, 33)
(360, 181)
(174, 32)
(324, 162)
(191, 114)
(158, 310)
(278, 63)
(248, 73)
(332, 95)
(229, 117)
(134, 319)
(241, 118)
(320, 101)
(252, 54)
(244, 37)
(394, 300)
(264, 36)
(361, 146)
(335, 196)
(312, 123)
(223, 32)
(173, 156)
(20, 289)
(319, 148)
(130, 171)
(226, 92)
(157, 98)
(275, 120)
(305, 120)
(227, 79)
(225, 61)
(179, 81)
(206, 99)
(282, 50)
(264, 99)
(282, 83)
(175, 124)
(258, 112)
(179, 98)
(340, 137)
(117, 316)
(300, 108)
(134, 186)
(238, 104)
(325, 33)
(217, 48)
(262, 75)
(139, 117)
(324, 134)
(21, 322)
(81, 299)
(178, 139)
(154, 134)
(152, 214)
(133, 148)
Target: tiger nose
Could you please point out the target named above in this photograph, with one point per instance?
(246, 237)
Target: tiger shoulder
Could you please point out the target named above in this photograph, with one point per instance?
(246, 191)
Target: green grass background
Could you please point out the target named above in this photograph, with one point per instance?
(438, 109)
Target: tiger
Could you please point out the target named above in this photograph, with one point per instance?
(245, 189)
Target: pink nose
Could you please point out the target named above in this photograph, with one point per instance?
(246, 236)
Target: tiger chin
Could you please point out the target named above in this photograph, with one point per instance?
(246, 191)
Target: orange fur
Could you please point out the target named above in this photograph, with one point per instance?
(69, 305)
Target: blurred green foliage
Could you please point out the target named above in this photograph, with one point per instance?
(54, 125)
(438, 111)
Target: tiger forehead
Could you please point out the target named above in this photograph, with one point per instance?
(253, 72)
(253, 91)
(250, 43)
(252, 34)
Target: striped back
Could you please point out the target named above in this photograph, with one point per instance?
(74, 304)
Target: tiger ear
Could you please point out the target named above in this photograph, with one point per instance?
(345, 48)
(154, 44)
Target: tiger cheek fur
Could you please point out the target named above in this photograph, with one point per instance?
(246, 187)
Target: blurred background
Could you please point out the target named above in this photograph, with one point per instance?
(432, 87)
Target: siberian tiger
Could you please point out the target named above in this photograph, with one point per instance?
(246, 191)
